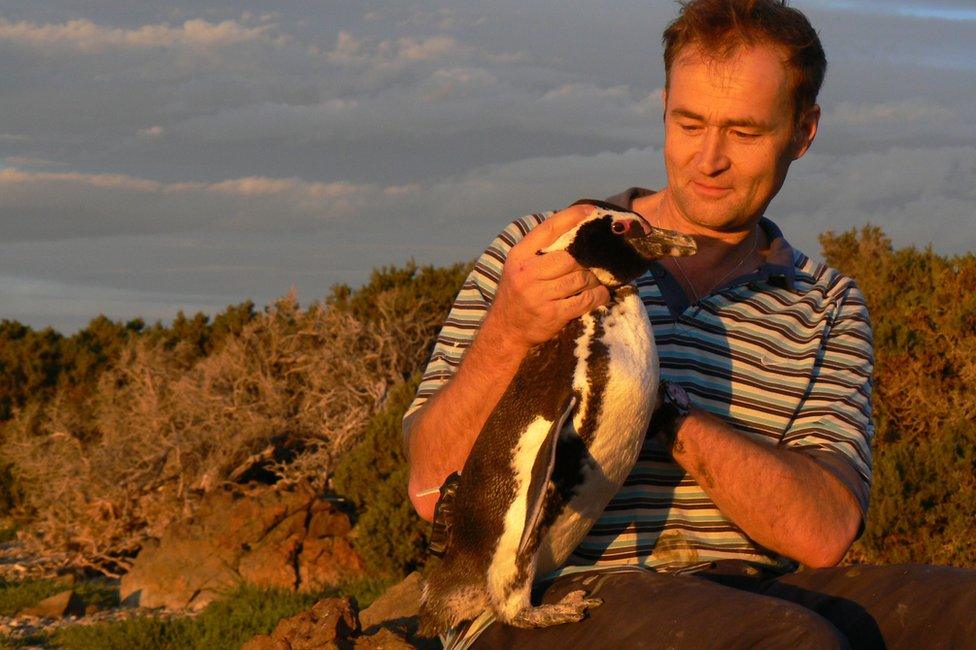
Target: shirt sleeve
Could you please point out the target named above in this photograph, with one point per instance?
(833, 423)
(469, 309)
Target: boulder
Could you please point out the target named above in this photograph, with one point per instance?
(273, 537)
(398, 607)
(331, 623)
(66, 603)
(328, 561)
(383, 640)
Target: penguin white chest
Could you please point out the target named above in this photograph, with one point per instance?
(617, 377)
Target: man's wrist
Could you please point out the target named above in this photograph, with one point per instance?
(674, 409)
(501, 339)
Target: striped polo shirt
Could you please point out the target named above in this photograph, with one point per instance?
(782, 353)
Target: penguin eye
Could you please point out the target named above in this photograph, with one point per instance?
(619, 227)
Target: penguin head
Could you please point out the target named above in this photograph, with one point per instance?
(617, 246)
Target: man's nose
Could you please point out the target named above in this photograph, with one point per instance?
(712, 157)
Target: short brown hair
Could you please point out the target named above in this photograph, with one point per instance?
(721, 27)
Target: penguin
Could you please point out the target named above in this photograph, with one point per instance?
(557, 446)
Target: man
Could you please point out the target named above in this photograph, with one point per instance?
(771, 464)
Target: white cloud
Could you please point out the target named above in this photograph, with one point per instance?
(83, 35)
(393, 55)
(152, 132)
(908, 110)
(65, 205)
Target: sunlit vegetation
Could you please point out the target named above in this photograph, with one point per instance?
(114, 431)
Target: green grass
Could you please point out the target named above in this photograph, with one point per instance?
(14, 596)
(226, 624)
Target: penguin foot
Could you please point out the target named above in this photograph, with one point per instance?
(570, 609)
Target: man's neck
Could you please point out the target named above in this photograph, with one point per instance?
(721, 256)
(715, 247)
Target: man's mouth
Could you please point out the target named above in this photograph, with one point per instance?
(710, 191)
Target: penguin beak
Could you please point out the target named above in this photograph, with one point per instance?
(653, 243)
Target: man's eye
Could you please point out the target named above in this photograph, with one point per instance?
(690, 128)
(745, 135)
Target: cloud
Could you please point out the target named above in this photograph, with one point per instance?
(908, 110)
(83, 35)
(152, 131)
(29, 161)
(43, 205)
(392, 54)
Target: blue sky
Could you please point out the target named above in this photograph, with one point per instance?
(195, 154)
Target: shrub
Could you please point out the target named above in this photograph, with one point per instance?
(923, 308)
(389, 535)
(281, 397)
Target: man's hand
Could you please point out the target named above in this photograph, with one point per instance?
(536, 297)
(539, 294)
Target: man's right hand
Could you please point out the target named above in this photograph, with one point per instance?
(536, 297)
(539, 294)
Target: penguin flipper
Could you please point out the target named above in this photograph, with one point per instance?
(542, 469)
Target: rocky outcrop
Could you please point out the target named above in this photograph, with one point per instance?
(287, 538)
(389, 623)
(329, 624)
(396, 609)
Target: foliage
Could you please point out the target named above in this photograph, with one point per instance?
(181, 410)
(227, 623)
(923, 308)
(389, 535)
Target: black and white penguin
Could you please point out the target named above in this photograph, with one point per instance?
(558, 445)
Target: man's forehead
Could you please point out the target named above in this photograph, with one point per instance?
(753, 83)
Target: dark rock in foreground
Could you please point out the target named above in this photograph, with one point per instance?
(389, 623)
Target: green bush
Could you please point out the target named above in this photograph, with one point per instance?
(923, 309)
(389, 535)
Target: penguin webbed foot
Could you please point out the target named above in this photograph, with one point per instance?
(571, 609)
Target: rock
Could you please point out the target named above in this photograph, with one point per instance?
(272, 537)
(66, 603)
(399, 602)
(327, 521)
(328, 561)
(383, 640)
(180, 574)
(331, 623)
(260, 642)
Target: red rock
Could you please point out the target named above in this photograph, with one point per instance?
(328, 562)
(328, 521)
(331, 620)
(256, 535)
(399, 602)
(383, 640)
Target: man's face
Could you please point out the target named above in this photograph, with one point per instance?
(730, 135)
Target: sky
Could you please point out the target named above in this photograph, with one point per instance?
(190, 155)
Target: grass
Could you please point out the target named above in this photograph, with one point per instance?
(15, 596)
(226, 624)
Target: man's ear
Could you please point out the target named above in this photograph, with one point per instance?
(805, 131)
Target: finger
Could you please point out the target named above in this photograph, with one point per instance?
(550, 229)
(584, 301)
(569, 285)
(554, 265)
